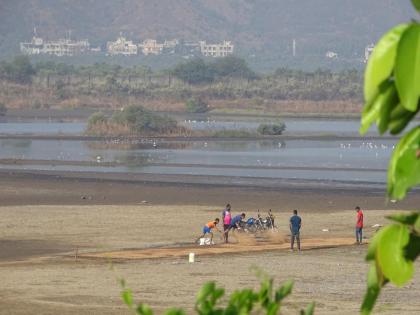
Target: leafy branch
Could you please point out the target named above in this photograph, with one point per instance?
(392, 93)
(209, 301)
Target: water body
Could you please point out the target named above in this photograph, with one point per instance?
(293, 126)
(325, 161)
(42, 128)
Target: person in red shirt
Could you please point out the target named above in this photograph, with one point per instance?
(359, 225)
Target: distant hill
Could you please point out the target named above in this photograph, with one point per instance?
(261, 29)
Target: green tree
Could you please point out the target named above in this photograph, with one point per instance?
(142, 120)
(20, 70)
(195, 71)
(232, 67)
(392, 92)
(3, 109)
(272, 129)
(196, 105)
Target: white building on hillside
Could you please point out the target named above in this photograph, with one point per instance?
(33, 47)
(61, 47)
(66, 47)
(121, 46)
(216, 50)
(151, 47)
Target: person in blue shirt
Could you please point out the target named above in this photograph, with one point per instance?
(235, 222)
(295, 225)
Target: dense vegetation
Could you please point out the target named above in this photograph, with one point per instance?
(47, 84)
(272, 129)
(196, 105)
(132, 120)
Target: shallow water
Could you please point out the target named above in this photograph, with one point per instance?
(351, 161)
(300, 126)
(42, 128)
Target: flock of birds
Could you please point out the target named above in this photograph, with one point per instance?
(367, 145)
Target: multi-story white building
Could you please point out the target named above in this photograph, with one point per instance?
(216, 50)
(61, 47)
(121, 46)
(66, 47)
(151, 47)
(33, 47)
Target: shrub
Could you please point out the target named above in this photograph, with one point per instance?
(142, 120)
(130, 121)
(271, 129)
(211, 300)
(195, 71)
(3, 109)
(96, 118)
(196, 105)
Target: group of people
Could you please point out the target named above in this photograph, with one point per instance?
(229, 223)
(295, 224)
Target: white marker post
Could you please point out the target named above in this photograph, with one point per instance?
(191, 258)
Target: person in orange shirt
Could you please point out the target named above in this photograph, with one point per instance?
(208, 227)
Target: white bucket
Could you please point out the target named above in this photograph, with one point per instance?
(191, 257)
(206, 241)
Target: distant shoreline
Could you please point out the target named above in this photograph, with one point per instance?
(144, 139)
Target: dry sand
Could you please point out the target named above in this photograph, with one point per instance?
(40, 275)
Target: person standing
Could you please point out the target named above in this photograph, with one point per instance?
(227, 219)
(359, 225)
(295, 225)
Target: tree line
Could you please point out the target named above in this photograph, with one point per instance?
(224, 78)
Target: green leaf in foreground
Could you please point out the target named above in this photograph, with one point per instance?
(416, 4)
(381, 62)
(391, 254)
(380, 108)
(400, 118)
(373, 290)
(127, 297)
(404, 218)
(174, 311)
(412, 250)
(404, 167)
(417, 225)
(143, 309)
(283, 291)
(310, 309)
(407, 67)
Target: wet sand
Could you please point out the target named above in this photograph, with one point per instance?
(71, 188)
(45, 220)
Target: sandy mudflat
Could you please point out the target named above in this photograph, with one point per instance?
(40, 275)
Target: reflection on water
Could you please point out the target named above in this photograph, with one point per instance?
(18, 143)
(299, 126)
(350, 161)
(44, 128)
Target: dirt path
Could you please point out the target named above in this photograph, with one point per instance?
(176, 252)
